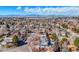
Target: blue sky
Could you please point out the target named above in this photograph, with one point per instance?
(40, 10)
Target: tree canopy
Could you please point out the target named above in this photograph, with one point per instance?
(15, 39)
(76, 42)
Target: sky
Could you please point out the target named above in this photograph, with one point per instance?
(40, 10)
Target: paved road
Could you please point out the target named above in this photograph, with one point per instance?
(23, 48)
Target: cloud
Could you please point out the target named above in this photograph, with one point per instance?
(18, 8)
(33, 10)
(53, 10)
